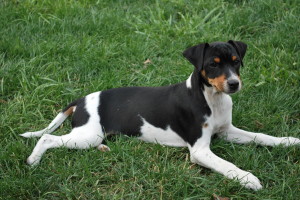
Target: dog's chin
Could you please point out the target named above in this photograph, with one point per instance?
(231, 91)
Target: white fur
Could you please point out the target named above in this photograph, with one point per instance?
(221, 108)
(154, 134)
(201, 154)
(189, 82)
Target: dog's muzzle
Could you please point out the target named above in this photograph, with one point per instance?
(232, 86)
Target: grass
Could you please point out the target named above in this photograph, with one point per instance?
(52, 52)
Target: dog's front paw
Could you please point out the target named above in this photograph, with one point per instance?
(250, 181)
(33, 160)
(288, 141)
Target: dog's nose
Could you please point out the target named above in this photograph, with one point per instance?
(233, 84)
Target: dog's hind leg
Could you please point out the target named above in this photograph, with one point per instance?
(87, 131)
(84, 137)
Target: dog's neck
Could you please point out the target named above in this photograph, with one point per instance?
(195, 82)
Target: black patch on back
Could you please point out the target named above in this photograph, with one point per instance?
(121, 110)
(80, 116)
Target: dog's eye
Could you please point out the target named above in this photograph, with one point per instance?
(236, 62)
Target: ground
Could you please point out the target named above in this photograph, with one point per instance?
(55, 51)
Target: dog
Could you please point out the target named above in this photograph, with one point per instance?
(186, 114)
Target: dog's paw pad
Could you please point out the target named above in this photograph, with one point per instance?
(103, 148)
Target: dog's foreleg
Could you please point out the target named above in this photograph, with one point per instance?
(237, 135)
(202, 155)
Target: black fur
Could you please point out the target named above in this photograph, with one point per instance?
(80, 116)
(240, 47)
(121, 110)
(195, 55)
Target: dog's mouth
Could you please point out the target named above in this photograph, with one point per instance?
(231, 91)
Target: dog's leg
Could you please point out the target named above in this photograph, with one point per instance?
(202, 155)
(237, 135)
(83, 137)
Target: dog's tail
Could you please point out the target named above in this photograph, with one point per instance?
(56, 122)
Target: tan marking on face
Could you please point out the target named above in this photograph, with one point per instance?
(217, 60)
(69, 111)
(234, 58)
(203, 73)
(205, 125)
(218, 82)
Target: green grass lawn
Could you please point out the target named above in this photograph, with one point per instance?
(55, 51)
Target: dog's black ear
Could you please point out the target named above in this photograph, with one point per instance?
(240, 47)
(195, 55)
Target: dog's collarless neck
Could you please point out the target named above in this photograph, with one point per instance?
(197, 83)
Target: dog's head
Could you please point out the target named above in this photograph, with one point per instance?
(219, 63)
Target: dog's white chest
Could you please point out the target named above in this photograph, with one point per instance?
(221, 108)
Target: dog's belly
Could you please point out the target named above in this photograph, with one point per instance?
(150, 133)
